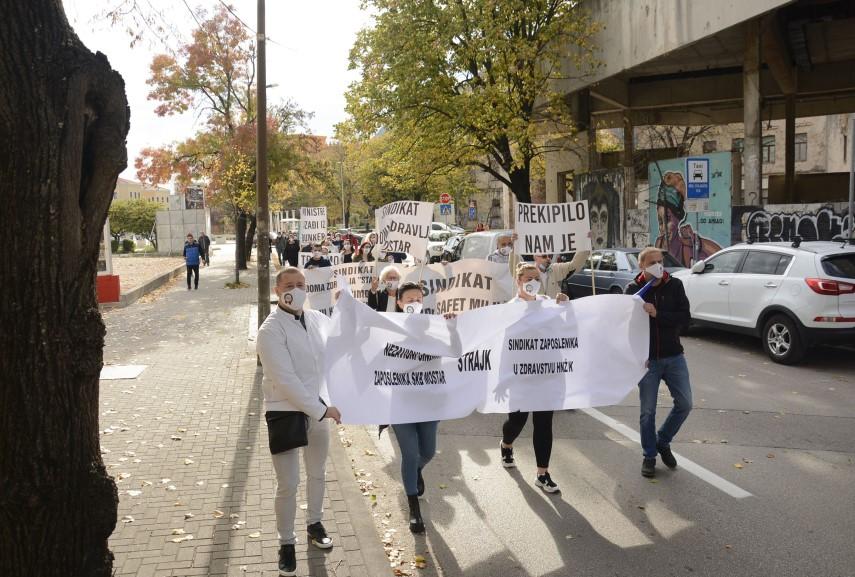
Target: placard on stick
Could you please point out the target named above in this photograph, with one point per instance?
(552, 228)
(313, 224)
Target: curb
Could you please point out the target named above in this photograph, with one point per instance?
(376, 562)
(155, 283)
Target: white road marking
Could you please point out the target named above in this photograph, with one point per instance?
(704, 474)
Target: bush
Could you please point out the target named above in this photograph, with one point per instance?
(128, 245)
(114, 246)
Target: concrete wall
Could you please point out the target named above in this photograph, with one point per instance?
(173, 226)
(636, 31)
(780, 222)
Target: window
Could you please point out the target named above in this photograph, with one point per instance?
(768, 147)
(801, 146)
(737, 144)
(783, 264)
(725, 262)
(593, 260)
(565, 186)
(608, 262)
(761, 262)
(710, 146)
(840, 265)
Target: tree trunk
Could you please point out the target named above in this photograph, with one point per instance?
(240, 240)
(63, 123)
(250, 236)
(521, 183)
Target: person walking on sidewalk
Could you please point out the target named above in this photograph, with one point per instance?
(192, 255)
(666, 304)
(292, 250)
(281, 245)
(205, 247)
(291, 343)
(528, 290)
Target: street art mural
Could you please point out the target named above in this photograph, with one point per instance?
(603, 189)
(781, 222)
(637, 228)
(690, 226)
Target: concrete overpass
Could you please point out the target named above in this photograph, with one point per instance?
(693, 62)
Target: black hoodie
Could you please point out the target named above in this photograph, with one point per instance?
(672, 314)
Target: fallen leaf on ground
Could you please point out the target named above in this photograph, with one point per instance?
(254, 535)
(188, 516)
(770, 456)
(182, 539)
(218, 514)
(133, 493)
(178, 531)
(127, 519)
(738, 465)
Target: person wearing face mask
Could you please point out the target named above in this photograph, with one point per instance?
(504, 248)
(551, 273)
(528, 290)
(291, 344)
(346, 251)
(292, 251)
(363, 253)
(383, 292)
(666, 304)
(318, 259)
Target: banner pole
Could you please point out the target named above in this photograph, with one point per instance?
(593, 280)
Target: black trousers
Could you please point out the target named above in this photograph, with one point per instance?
(192, 269)
(542, 437)
(281, 255)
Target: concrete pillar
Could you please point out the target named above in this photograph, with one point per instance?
(790, 148)
(629, 198)
(752, 161)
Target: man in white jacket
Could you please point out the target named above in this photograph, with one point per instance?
(291, 345)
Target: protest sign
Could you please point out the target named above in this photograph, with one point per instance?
(334, 258)
(404, 226)
(552, 228)
(313, 224)
(321, 284)
(398, 368)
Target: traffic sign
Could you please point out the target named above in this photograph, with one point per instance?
(445, 198)
(444, 209)
(472, 213)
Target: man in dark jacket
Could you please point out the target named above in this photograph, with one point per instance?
(317, 260)
(666, 304)
(205, 246)
(281, 243)
(292, 250)
(192, 255)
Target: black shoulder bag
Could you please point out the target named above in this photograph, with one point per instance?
(286, 430)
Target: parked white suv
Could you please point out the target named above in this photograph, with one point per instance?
(791, 295)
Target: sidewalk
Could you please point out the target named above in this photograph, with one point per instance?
(187, 444)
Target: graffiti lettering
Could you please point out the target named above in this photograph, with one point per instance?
(782, 223)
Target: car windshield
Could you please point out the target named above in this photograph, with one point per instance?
(476, 247)
(840, 265)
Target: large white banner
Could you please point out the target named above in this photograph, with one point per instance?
(552, 228)
(404, 226)
(454, 288)
(398, 368)
(313, 224)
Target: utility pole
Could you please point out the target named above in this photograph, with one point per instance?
(343, 213)
(262, 217)
(851, 176)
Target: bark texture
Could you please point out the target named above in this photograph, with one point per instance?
(63, 122)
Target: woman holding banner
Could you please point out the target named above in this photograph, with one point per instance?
(379, 299)
(528, 290)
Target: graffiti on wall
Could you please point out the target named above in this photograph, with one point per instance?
(603, 189)
(637, 228)
(688, 235)
(781, 222)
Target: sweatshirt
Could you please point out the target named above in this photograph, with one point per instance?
(672, 314)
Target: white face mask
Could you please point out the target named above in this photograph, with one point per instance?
(531, 287)
(316, 254)
(391, 285)
(294, 299)
(505, 250)
(413, 308)
(655, 270)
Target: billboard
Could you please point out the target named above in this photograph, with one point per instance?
(690, 205)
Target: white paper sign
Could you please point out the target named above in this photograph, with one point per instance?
(334, 258)
(313, 224)
(321, 284)
(404, 226)
(552, 228)
(398, 368)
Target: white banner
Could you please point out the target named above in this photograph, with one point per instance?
(386, 368)
(334, 258)
(313, 224)
(404, 226)
(454, 288)
(552, 228)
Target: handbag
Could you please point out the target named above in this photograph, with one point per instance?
(286, 430)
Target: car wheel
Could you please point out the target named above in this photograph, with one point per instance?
(782, 341)
(615, 290)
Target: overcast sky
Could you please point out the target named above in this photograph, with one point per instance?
(307, 58)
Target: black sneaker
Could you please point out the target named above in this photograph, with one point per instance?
(420, 483)
(667, 456)
(318, 536)
(546, 483)
(648, 467)
(507, 457)
(287, 561)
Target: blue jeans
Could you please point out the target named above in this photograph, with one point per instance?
(675, 373)
(418, 445)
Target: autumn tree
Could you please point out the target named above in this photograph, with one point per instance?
(63, 122)
(135, 216)
(469, 82)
